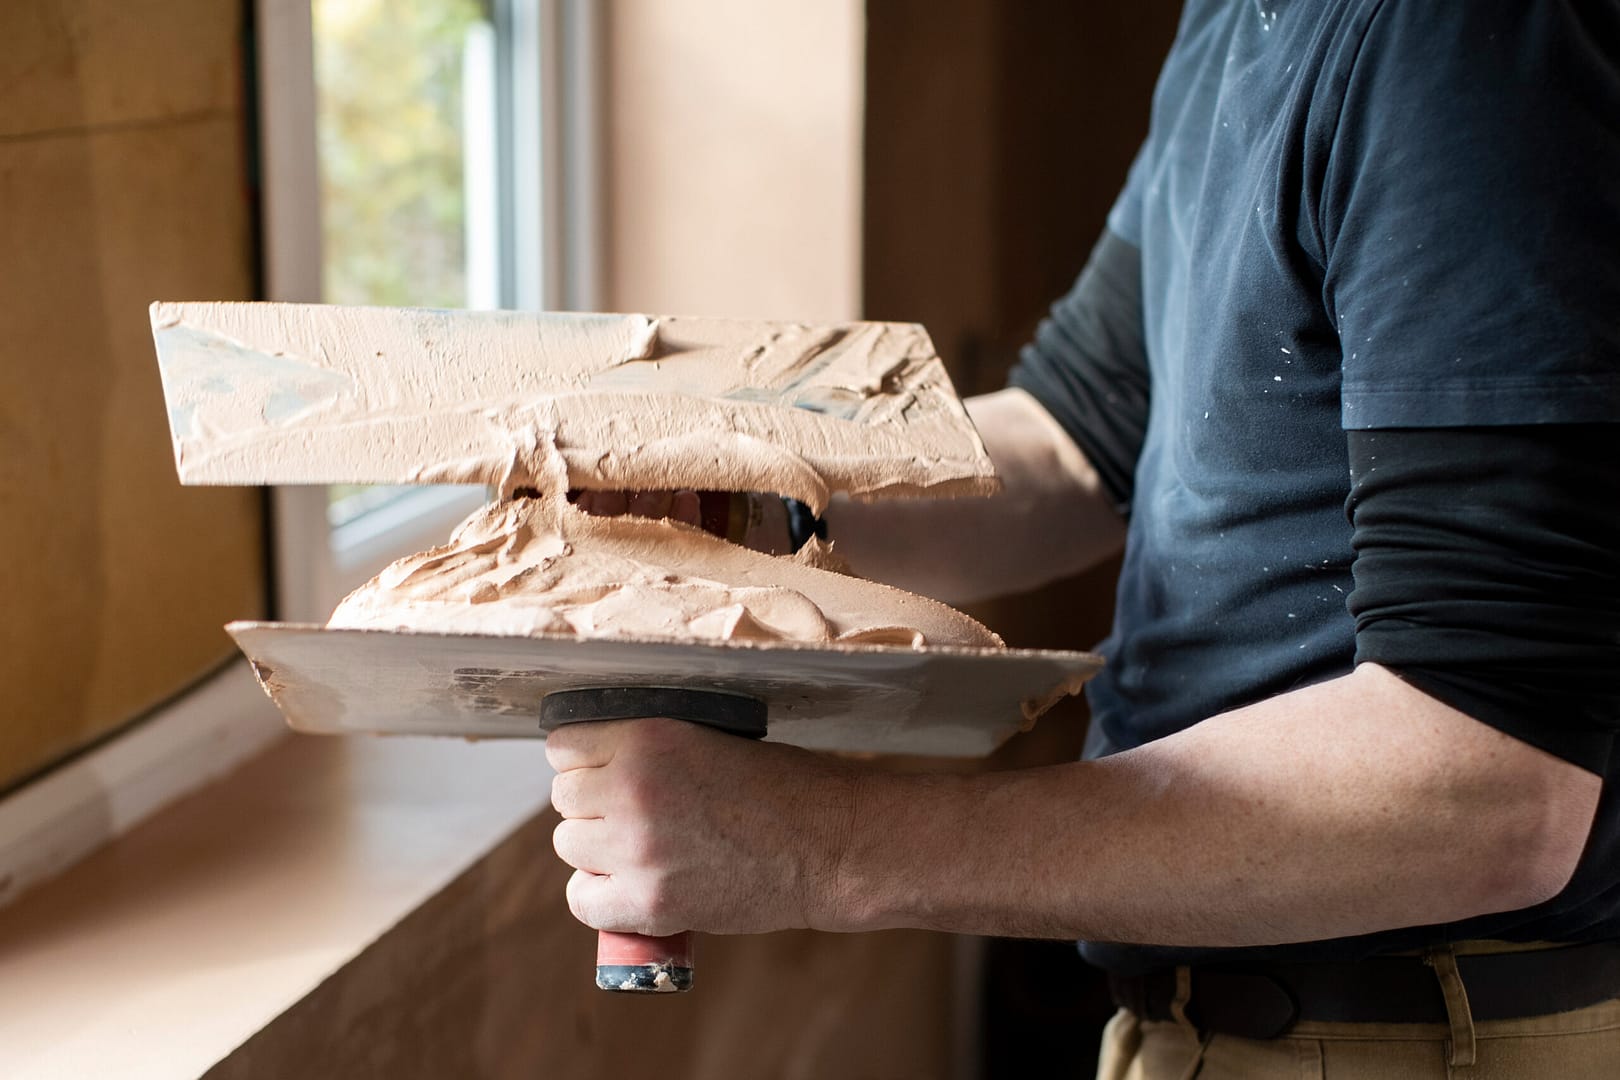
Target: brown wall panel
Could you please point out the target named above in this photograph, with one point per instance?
(997, 136)
(78, 64)
(492, 979)
(928, 247)
(122, 180)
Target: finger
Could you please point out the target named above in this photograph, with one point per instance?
(579, 746)
(600, 901)
(608, 503)
(589, 896)
(649, 504)
(577, 794)
(581, 499)
(687, 507)
(585, 844)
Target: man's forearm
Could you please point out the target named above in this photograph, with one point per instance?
(1345, 808)
(1050, 520)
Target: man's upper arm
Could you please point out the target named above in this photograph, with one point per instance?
(1487, 578)
(1487, 575)
(1472, 270)
(1469, 216)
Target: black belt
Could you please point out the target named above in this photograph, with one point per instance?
(1264, 1001)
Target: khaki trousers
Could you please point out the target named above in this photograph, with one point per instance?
(1580, 1045)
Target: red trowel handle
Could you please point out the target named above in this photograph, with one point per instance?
(641, 964)
(635, 962)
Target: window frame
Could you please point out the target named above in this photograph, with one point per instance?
(547, 73)
(548, 66)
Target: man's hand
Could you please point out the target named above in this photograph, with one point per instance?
(683, 506)
(672, 826)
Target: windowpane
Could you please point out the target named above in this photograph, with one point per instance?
(405, 96)
(389, 79)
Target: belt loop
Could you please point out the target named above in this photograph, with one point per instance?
(1178, 1004)
(1178, 1009)
(1461, 1050)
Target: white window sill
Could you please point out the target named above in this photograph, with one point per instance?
(166, 950)
(55, 820)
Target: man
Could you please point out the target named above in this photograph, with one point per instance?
(1343, 377)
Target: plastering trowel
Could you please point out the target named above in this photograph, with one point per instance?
(539, 404)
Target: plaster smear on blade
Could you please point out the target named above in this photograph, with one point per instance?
(540, 566)
(294, 393)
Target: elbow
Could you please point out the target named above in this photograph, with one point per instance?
(1539, 848)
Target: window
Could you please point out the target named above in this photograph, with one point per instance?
(482, 104)
(410, 211)
(406, 135)
(441, 131)
(405, 97)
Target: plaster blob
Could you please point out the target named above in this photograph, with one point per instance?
(540, 566)
(308, 393)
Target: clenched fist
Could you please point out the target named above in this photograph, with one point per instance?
(672, 826)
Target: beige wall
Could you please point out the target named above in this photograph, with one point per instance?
(122, 180)
(734, 157)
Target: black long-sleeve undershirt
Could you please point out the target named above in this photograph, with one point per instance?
(1488, 574)
(1487, 569)
(1088, 365)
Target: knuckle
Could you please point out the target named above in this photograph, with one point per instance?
(638, 800)
(656, 896)
(642, 845)
(657, 908)
(657, 738)
(665, 730)
(637, 791)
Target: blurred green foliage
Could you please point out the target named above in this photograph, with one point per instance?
(388, 81)
(388, 119)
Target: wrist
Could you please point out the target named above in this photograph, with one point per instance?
(889, 850)
(834, 815)
(802, 524)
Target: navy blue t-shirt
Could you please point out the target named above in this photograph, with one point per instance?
(1360, 215)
